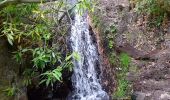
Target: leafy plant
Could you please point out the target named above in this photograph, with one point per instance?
(84, 5)
(11, 91)
(124, 61)
(9, 32)
(122, 83)
(43, 56)
(52, 76)
(156, 9)
(112, 58)
(28, 75)
(95, 20)
(30, 30)
(110, 35)
(18, 55)
(121, 88)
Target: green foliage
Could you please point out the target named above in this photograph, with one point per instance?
(52, 76)
(157, 9)
(11, 91)
(124, 61)
(28, 75)
(122, 83)
(13, 26)
(76, 56)
(30, 30)
(8, 31)
(122, 88)
(19, 54)
(43, 56)
(112, 58)
(85, 5)
(157, 21)
(110, 35)
(95, 20)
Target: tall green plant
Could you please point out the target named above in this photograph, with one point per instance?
(157, 9)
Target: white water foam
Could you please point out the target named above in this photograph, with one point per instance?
(86, 81)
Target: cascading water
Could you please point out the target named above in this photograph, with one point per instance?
(85, 78)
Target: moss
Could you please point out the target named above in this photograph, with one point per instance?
(123, 89)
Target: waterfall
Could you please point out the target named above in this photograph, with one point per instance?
(85, 79)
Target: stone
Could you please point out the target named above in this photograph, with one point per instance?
(139, 96)
(9, 72)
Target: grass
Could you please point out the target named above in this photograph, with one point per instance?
(122, 84)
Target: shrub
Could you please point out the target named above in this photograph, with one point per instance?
(156, 9)
(28, 29)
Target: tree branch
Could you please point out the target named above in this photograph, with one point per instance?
(7, 2)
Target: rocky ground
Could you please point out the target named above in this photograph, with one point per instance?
(148, 47)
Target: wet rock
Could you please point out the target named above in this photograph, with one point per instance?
(138, 96)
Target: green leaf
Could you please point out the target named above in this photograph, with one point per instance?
(42, 81)
(76, 56)
(48, 81)
(57, 76)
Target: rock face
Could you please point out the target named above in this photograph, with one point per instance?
(107, 18)
(148, 47)
(106, 70)
(9, 70)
